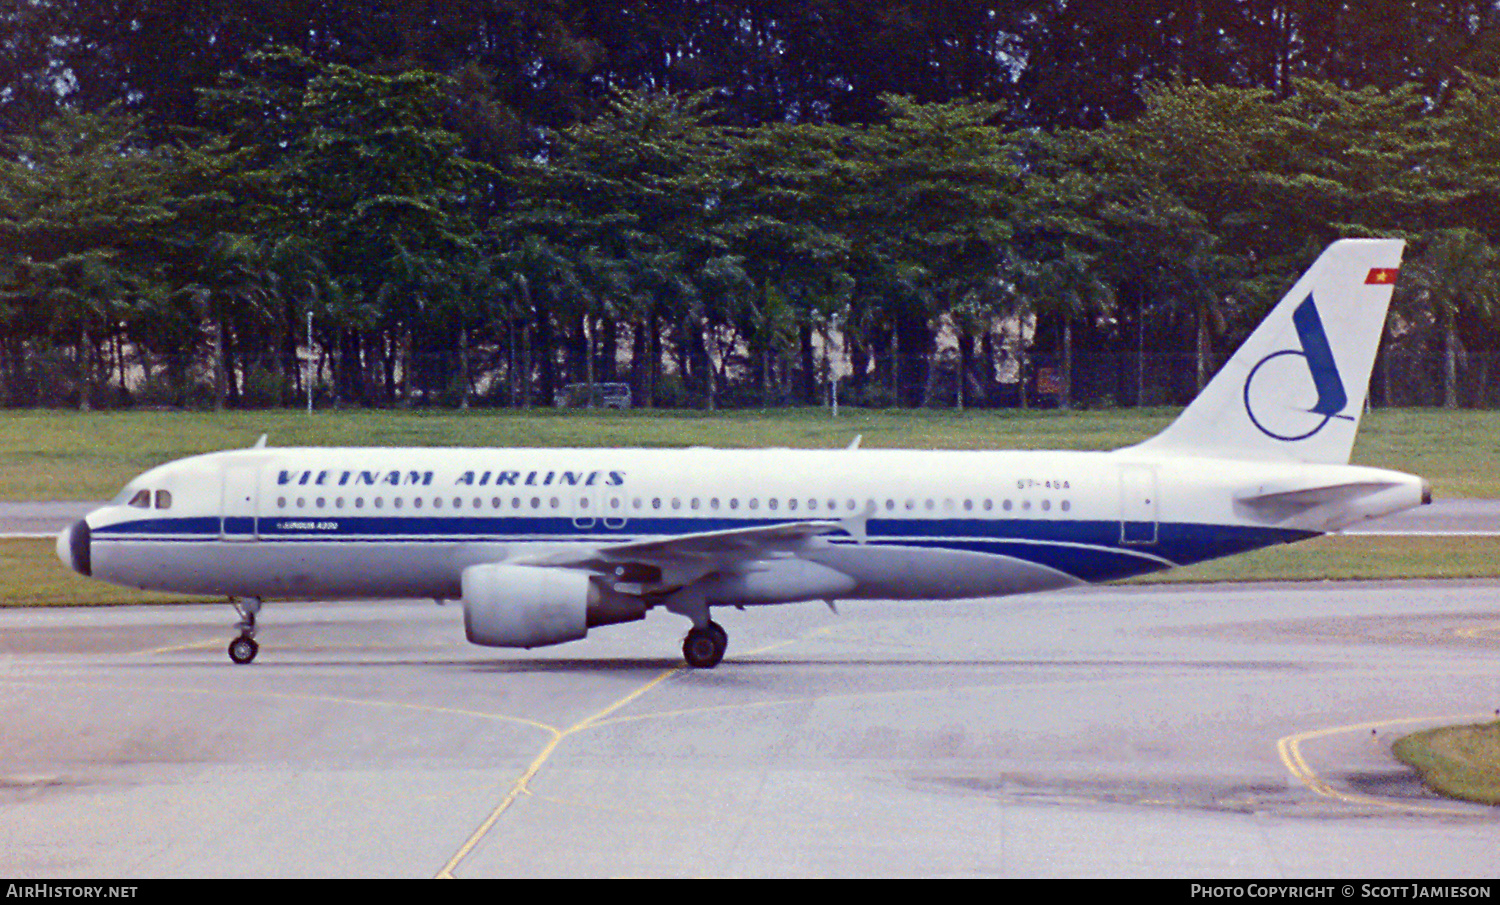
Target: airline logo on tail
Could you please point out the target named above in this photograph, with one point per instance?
(1306, 365)
(1272, 402)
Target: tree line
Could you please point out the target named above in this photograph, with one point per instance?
(727, 204)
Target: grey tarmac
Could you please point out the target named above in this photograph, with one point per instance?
(1234, 731)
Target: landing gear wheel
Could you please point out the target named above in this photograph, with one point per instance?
(703, 648)
(243, 649)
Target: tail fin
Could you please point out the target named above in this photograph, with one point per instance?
(1296, 389)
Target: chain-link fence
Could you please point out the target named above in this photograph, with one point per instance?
(1091, 379)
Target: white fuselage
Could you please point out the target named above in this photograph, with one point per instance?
(361, 523)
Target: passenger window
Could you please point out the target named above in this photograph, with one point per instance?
(164, 499)
(141, 500)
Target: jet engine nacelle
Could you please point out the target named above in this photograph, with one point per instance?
(532, 606)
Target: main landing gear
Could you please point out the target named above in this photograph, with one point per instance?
(704, 647)
(706, 641)
(243, 649)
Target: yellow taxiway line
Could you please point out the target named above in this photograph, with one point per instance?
(521, 785)
(1290, 749)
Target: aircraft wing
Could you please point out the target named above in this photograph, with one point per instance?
(676, 560)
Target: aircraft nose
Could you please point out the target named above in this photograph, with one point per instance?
(73, 548)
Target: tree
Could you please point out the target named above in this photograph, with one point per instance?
(637, 188)
(1178, 209)
(82, 215)
(361, 168)
(935, 193)
(1055, 260)
(1452, 276)
(785, 215)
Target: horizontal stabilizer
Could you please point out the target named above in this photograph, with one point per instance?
(1279, 505)
(1331, 507)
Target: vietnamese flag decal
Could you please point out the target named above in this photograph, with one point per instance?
(1382, 276)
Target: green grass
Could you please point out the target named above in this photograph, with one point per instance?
(30, 575)
(54, 455)
(1457, 451)
(1347, 557)
(1457, 761)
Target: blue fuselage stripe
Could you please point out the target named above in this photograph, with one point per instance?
(1088, 550)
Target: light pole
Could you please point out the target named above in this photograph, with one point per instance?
(834, 366)
(311, 361)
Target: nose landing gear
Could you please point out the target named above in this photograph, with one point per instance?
(243, 649)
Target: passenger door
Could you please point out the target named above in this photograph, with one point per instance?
(1138, 504)
(238, 502)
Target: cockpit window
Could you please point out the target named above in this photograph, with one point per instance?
(164, 499)
(141, 500)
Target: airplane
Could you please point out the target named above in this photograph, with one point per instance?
(542, 545)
